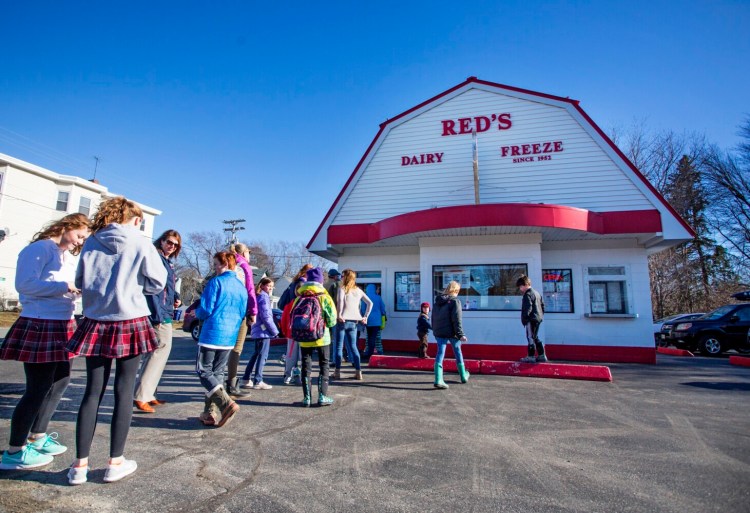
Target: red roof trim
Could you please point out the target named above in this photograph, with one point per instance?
(475, 80)
(498, 214)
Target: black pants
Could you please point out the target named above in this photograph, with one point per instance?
(97, 376)
(323, 354)
(532, 339)
(45, 384)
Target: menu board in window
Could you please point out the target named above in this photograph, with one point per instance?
(557, 288)
(407, 292)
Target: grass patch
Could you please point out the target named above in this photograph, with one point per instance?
(7, 318)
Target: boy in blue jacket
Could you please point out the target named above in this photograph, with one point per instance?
(423, 328)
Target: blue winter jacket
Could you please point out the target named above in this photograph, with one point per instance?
(378, 307)
(161, 305)
(222, 308)
(264, 327)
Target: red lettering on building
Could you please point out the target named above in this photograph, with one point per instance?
(422, 158)
(478, 123)
(515, 150)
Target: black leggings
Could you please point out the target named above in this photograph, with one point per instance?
(45, 384)
(97, 376)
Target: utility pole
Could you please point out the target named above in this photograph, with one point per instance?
(475, 158)
(233, 227)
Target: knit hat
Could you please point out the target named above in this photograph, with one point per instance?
(332, 273)
(315, 274)
(425, 304)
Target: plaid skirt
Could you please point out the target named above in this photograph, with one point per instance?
(113, 339)
(38, 340)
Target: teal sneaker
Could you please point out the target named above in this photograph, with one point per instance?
(306, 401)
(324, 400)
(26, 458)
(48, 444)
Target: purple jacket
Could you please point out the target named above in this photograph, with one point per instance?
(264, 327)
(252, 302)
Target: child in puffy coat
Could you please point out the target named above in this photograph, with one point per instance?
(263, 330)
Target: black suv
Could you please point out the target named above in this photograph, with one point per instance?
(724, 328)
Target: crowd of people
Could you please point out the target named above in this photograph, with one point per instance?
(127, 287)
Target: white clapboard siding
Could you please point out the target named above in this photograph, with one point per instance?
(582, 175)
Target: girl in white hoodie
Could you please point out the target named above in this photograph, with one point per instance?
(44, 280)
(118, 265)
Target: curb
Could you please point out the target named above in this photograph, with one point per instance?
(501, 368)
(422, 364)
(743, 361)
(674, 351)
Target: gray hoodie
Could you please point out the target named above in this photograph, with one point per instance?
(118, 265)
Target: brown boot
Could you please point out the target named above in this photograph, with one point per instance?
(225, 404)
(358, 376)
(210, 415)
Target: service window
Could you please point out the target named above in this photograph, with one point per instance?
(557, 285)
(483, 287)
(407, 292)
(608, 291)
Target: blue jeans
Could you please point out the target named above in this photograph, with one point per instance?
(258, 359)
(347, 333)
(210, 366)
(374, 342)
(442, 343)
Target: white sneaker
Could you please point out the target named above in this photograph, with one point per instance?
(246, 383)
(288, 380)
(78, 475)
(120, 470)
(262, 386)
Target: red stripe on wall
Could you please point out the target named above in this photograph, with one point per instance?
(498, 214)
(574, 353)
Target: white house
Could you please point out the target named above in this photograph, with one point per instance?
(31, 197)
(552, 197)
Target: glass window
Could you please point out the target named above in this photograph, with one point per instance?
(62, 201)
(407, 292)
(608, 290)
(557, 285)
(84, 206)
(483, 287)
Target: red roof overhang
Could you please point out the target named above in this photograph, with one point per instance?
(499, 214)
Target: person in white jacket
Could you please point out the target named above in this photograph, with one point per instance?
(118, 265)
(44, 280)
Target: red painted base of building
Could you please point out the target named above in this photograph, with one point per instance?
(673, 351)
(499, 368)
(574, 353)
(744, 361)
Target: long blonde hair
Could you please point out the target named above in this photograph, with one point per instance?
(59, 227)
(452, 288)
(115, 210)
(348, 280)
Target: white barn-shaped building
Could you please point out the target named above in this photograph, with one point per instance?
(557, 200)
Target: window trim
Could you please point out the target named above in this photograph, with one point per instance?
(395, 290)
(623, 277)
(67, 200)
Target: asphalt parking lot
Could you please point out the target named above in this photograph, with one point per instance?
(674, 437)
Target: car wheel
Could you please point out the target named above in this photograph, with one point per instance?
(195, 331)
(710, 345)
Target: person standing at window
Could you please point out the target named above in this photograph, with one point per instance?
(348, 299)
(45, 277)
(375, 322)
(532, 314)
(448, 328)
(162, 307)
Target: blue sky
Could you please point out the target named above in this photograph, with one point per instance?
(235, 109)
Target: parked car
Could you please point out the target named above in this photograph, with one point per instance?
(193, 326)
(663, 327)
(718, 331)
(742, 296)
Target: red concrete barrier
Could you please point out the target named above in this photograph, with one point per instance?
(533, 370)
(674, 351)
(547, 370)
(423, 364)
(744, 361)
